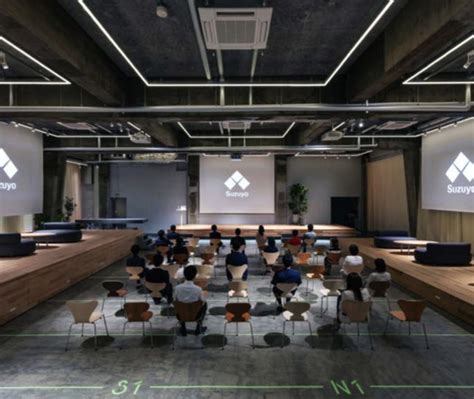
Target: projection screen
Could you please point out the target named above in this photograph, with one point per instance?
(21, 171)
(245, 187)
(448, 169)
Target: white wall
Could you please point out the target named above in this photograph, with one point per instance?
(153, 191)
(325, 178)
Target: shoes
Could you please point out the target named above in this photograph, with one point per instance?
(200, 330)
(280, 309)
(183, 332)
(157, 301)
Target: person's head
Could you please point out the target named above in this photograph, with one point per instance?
(238, 232)
(334, 244)
(135, 249)
(353, 249)
(294, 233)
(190, 273)
(287, 260)
(310, 227)
(161, 233)
(236, 246)
(354, 284)
(213, 227)
(261, 230)
(173, 228)
(380, 266)
(271, 242)
(157, 260)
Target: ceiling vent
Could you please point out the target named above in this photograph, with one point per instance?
(236, 125)
(396, 125)
(333, 135)
(140, 138)
(77, 126)
(235, 28)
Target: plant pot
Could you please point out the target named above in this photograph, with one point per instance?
(295, 218)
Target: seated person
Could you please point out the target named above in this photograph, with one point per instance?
(189, 292)
(180, 247)
(158, 275)
(333, 249)
(238, 240)
(236, 258)
(216, 235)
(295, 239)
(287, 275)
(353, 292)
(309, 235)
(137, 261)
(352, 260)
(172, 234)
(260, 238)
(271, 246)
(380, 273)
(163, 240)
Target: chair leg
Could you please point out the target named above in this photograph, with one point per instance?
(310, 333)
(223, 336)
(103, 304)
(95, 336)
(251, 333)
(143, 328)
(293, 323)
(82, 331)
(123, 331)
(175, 336)
(151, 334)
(386, 325)
(105, 324)
(68, 336)
(426, 336)
(409, 328)
(370, 337)
(283, 334)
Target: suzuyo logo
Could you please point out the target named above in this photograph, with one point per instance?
(7, 165)
(237, 179)
(461, 166)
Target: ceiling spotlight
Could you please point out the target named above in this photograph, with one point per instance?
(361, 124)
(161, 10)
(3, 61)
(470, 60)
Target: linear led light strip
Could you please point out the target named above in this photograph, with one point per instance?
(300, 155)
(229, 84)
(410, 81)
(236, 137)
(58, 136)
(63, 81)
(243, 155)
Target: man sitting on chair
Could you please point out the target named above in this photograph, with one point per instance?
(285, 276)
(189, 292)
(159, 275)
(136, 261)
(236, 258)
(163, 241)
(238, 240)
(172, 234)
(309, 235)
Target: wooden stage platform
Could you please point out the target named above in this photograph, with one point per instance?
(449, 288)
(250, 230)
(27, 281)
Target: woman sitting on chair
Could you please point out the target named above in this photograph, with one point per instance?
(260, 238)
(353, 292)
(334, 252)
(380, 273)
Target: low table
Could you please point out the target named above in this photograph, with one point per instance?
(38, 234)
(411, 244)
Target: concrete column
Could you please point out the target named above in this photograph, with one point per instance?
(193, 189)
(281, 189)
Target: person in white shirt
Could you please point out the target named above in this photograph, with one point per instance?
(353, 292)
(352, 261)
(380, 273)
(189, 292)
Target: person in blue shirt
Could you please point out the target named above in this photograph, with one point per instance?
(159, 275)
(162, 240)
(310, 234)
(238, 239)
(137, 261)
(236, 258)
(288, 276)
(215, 234)
(172, 234)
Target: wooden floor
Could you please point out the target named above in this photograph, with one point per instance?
(450, 288)
(249, 230)
(27, 281)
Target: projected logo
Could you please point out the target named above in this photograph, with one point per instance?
(7, 165)
(237, 180)
(461, 166)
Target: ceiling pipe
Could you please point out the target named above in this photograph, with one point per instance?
(220, 68)
(200, 41)
(253, 67)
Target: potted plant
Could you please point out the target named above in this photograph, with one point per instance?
(298, 202)
(69, 206)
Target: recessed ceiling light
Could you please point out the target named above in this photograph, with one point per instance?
(161, 10)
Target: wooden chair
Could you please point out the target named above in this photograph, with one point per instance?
(410, 312)
(237, 313)
(204, 271)
(237, 272)
(302, 258)
(172, 270)
(207, 258)
(296, 312)
(333, 257)
(163, 250)
(115, 289)
(309, 243)
(356, 312)
(134, 273)
(314, 273)
(154, 290)
(84, 312)
(193, 241)
(238, 289)
(379, 289)
(286, 289)
(149, 258)
(331, 289)
(270, 258)
(181, 259)
(275, 269)
(319, 250)
(187, 313)
(353, 269)
(137, 312)
(293, 249)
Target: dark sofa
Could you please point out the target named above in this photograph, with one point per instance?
(11, 244)
(387, 238)
(445, 254)
(60, 233)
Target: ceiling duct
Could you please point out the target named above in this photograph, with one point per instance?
(333, 135)
(236, 125)
(77, 126)
(235, 28)
(396, 125)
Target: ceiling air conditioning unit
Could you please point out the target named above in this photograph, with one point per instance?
(140, 138)
(333, 135)
(236, 125)
(235, 28)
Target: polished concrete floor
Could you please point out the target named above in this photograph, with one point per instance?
(33, 363)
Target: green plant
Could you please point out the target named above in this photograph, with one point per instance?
(69, 206)
(298, 199)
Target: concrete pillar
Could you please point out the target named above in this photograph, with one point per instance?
(281, 188)
(193, 189)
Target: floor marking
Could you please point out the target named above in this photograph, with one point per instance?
(422, 386)
(236, 387)
(59, 387)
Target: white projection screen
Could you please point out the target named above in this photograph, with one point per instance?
(447, 169)
(21, 171)
(242, 187)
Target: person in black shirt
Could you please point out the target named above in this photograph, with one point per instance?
(137, 261)
(214, 234)
(236, 258)
(238, 240)
(172, 234)
(163, 240)
(159, 275)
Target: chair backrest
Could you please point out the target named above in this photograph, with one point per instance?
(320, 250)
(293, 249)
(309, 242)
(379, 288)
(150, 258)
(333, 285)
(316, 271)
(204, 271)
(82, 310)
(134, 272)
(238, 286)
(303, 258)
(134, 311)
(155, 288)
(193, 241)
(353, 269)
(173, 242)
(333, 257)
(286, 288)
(181, 259)
(215, 242)
(207, 258)
(237, 271)
(237, 312)
(413, 309)
(163, 249)
(191, 249)
(271, 257)
(356, 311)
(297, 309)
(171, 269)
(187, 312)
(112, 287)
